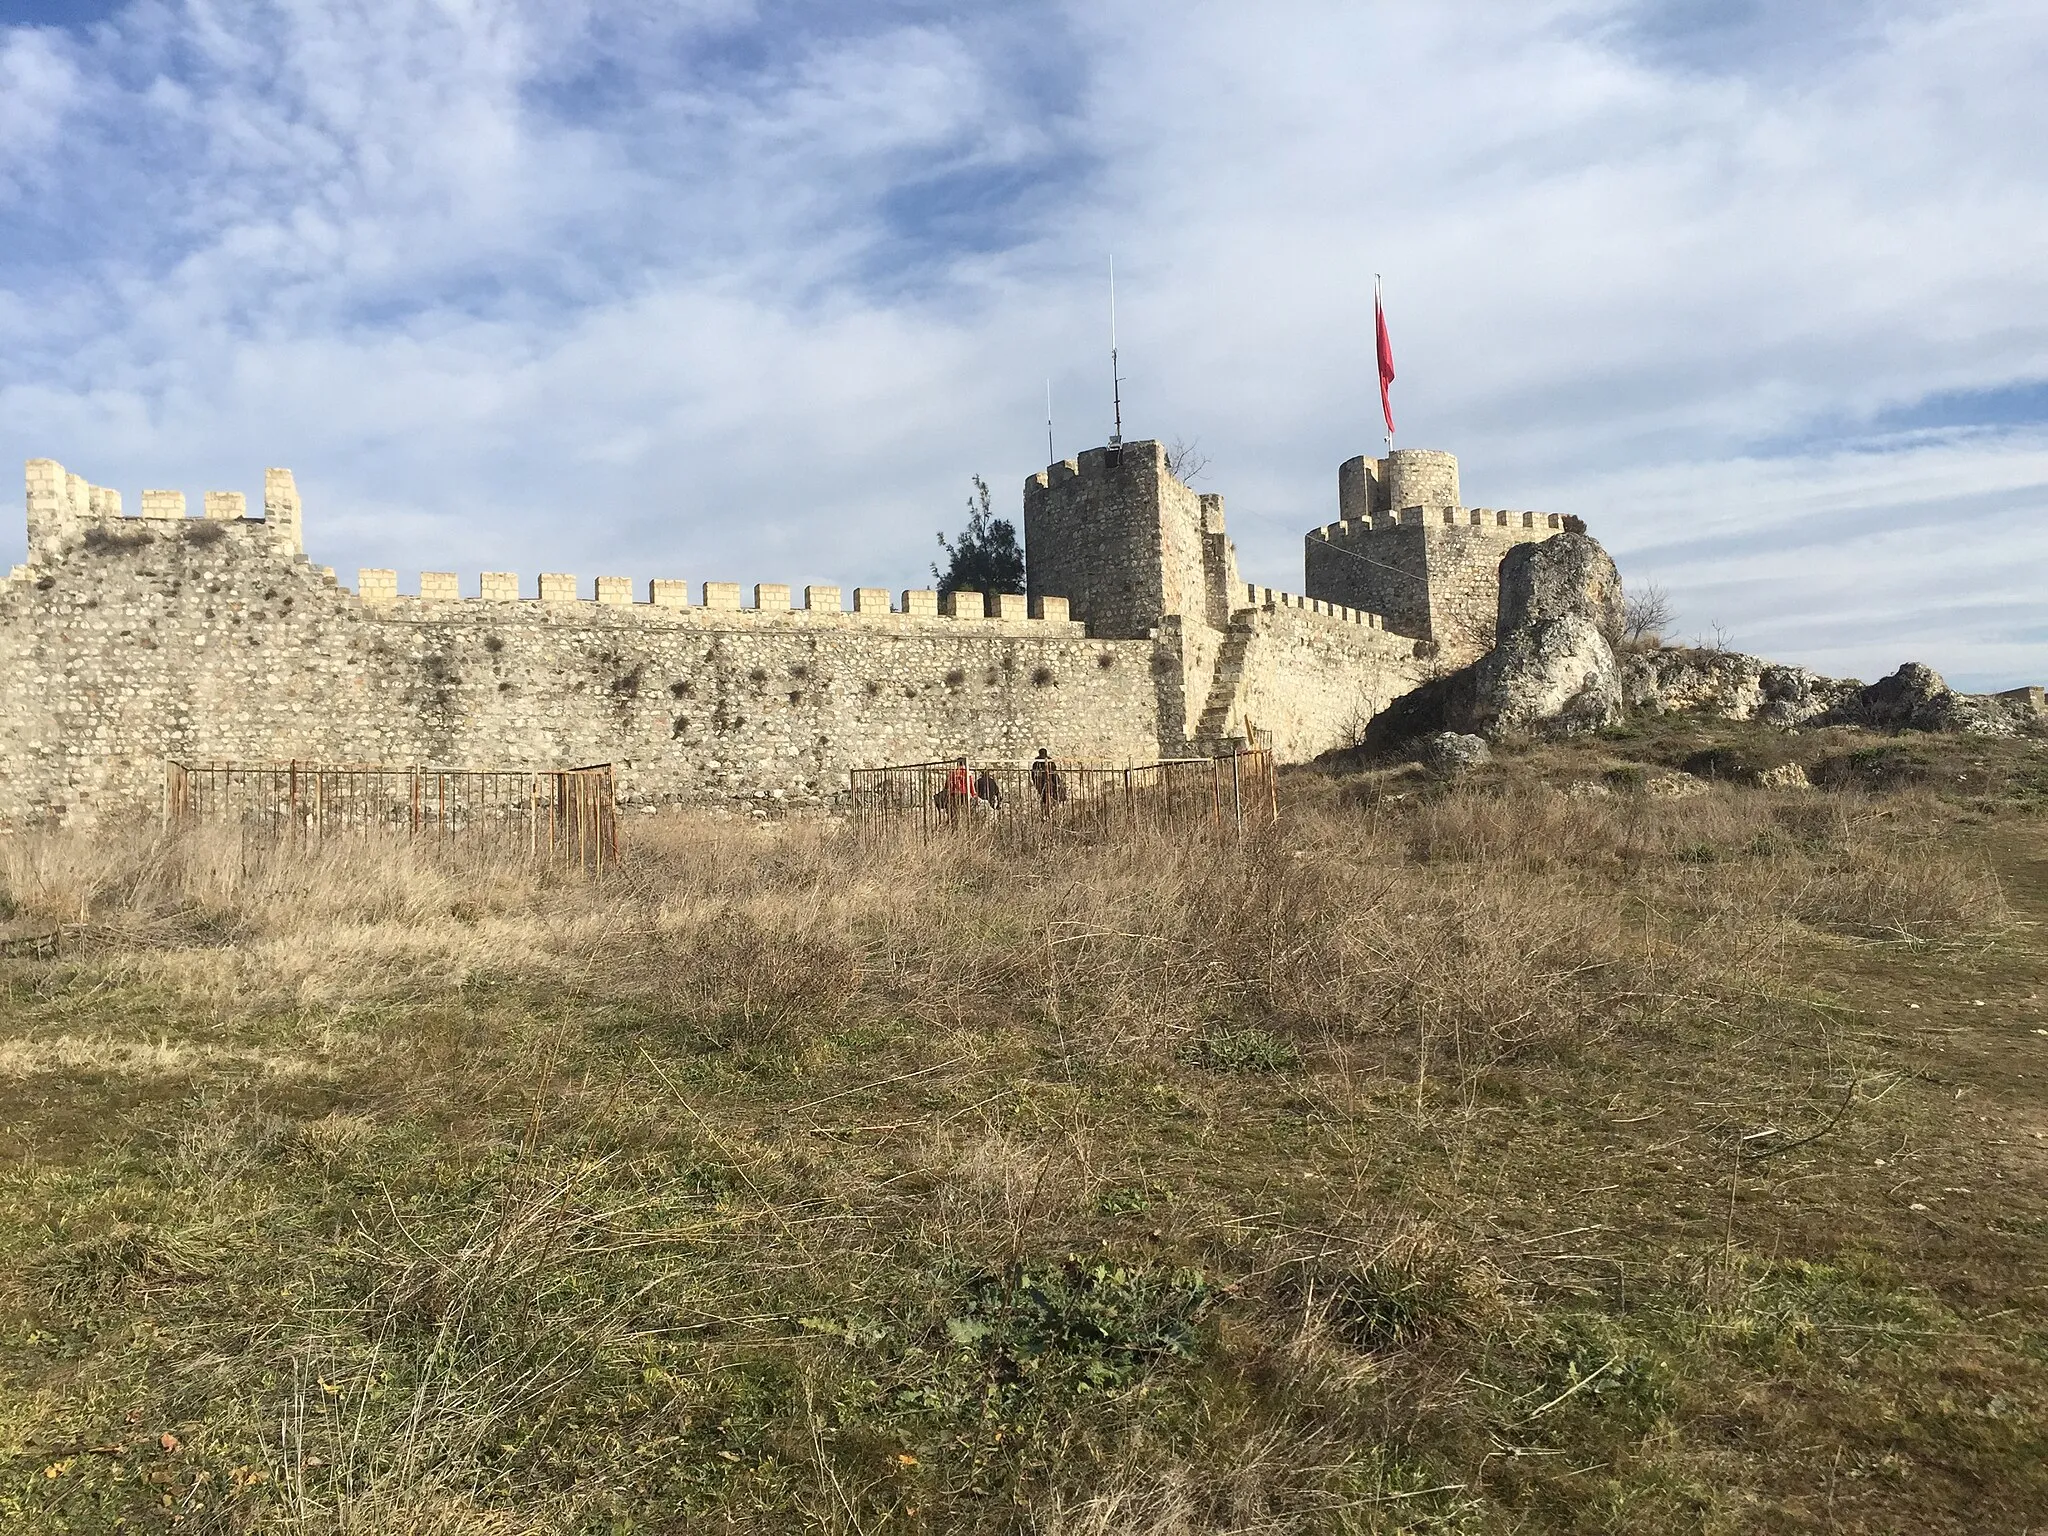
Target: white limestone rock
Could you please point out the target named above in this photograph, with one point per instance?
(1553, 670)
(1558, 678)
(1447, 752)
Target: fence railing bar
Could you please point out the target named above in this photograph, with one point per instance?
(300, 803)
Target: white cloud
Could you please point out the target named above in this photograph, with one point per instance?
(38, 85)
(718, 292)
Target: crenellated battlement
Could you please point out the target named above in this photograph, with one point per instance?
(560, 595)
(1268, 598)
(65, 510)
(1492, 519)
(1145, 456)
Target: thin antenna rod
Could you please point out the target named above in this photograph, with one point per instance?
(1050, 456)
(1116, 383)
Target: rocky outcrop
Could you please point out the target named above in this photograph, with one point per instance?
(1566, 576)
(1552, 671)
(1738, 687)
(1557, 670)
(1557, 678)
(1914, 698)
(1727, 683)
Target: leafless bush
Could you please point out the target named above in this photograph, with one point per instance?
(1185, 460)
(1645, 611)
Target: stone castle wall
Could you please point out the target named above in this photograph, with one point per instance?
(1313, 675)
(129, 639)
(1433, 572)
(1133, 546)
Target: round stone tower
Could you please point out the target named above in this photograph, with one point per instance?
(1419, 477)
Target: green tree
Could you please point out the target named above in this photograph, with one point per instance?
(986, 557)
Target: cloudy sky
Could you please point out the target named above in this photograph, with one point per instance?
(747, 291)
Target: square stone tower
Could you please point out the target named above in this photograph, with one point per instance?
(1405, 548)
(1125, 542)
(1138, 555)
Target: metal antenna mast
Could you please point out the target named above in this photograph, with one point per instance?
(1116, 383)
(1050, 456)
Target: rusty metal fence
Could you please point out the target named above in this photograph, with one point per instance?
(1036, 800)
(566, 815)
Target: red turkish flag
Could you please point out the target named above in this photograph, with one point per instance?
(1379, 318)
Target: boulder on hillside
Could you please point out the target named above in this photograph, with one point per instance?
(1568, 575)
(1793, 695)
(1446, 751)
(1667, 680)
(1912, 694)
(1915, 698)
(1552, 670)
(1556, 678)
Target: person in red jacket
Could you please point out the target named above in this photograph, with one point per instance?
(959, 790)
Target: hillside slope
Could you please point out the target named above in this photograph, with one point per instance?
(1578, 1145)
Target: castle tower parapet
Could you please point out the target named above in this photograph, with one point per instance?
(1417, 477)
(1122, 539)
(281, 510)
(1406, 548)
(63, 508)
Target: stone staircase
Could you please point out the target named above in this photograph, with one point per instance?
(1213, 733)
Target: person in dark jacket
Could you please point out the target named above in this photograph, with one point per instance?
(1045, 780)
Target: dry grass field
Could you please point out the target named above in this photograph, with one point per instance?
(1540, 1152)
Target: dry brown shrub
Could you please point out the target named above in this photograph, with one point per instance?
(1473, 924)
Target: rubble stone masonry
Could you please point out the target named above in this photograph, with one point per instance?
(125, 640)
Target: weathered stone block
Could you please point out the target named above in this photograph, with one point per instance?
(555, 587)
(1051, 609)
(439, 586)
(2035, 699)
(821, 599)
(1008, 605)
(281, 510)
(962, 605)
(374, 586)
(722, 595)
(226, 506)
(615, 591)
(668, 594)
(501, 587)
(871, 600)
(771, 596)
(921, 601)
(163, 504)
